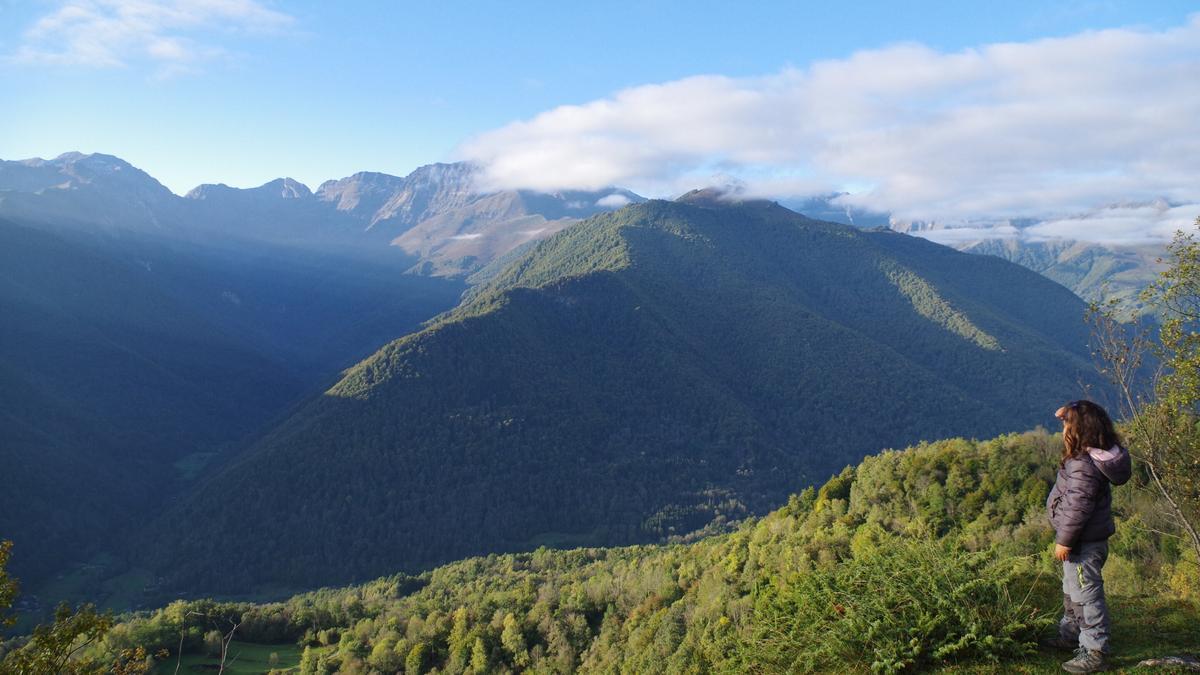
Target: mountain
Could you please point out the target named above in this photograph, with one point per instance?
(282, 211)
(826, 207)
(93, 190)
(645, 373)
(129, 363)
(930, 559)
(461, 241)
(436, 214)
(149, 336)
(1092, 270)
(394, 205)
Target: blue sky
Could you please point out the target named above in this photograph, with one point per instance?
(241, 92)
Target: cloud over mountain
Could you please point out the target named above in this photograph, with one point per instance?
(1035, 129)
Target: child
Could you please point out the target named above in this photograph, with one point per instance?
(1080, 509)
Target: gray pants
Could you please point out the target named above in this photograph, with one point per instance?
(1085, 614)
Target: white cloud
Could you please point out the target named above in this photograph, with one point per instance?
(466, 237)
(1054, 126)
(955, 236)
(175, 35)
(1148, 224)
(614, 201)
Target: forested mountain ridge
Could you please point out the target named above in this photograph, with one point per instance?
(931, 556)
(130, 362)
(641, 374)
(1093, 271)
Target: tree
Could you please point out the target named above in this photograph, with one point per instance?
(8, 587)
(61, 647)
(53, 648)
(1163, 415)
(514, 641)
(213, 643)
(414, 663)
(308, 661)
(479, 657)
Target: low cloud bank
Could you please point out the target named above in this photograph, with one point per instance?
(1014, 130)
(1152, 224)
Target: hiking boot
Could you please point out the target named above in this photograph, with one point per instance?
(1085, 661)
(1060, 642)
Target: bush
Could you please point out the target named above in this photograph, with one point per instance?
(1184, 580)
(899, 605)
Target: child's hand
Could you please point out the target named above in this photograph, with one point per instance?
(1061, 552)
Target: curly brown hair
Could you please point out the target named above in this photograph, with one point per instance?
(1086, 425)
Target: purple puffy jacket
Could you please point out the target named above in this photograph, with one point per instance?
(1080, 504)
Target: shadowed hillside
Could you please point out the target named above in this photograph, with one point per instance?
(129, 364)
(646, 373)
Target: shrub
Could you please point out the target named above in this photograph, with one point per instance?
(902, 604)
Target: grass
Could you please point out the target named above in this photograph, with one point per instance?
(245, 658)
(1144, 627)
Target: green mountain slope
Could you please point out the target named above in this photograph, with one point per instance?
(940, 545)
(645, 373)
(1093, 271)
(128, 363)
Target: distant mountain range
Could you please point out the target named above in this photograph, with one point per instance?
(644, 373)
(438, 216)
(434, 214)
(1092, 270)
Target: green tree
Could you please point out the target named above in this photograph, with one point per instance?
(53, 648)
(414, 663)
(308, 661)
(480, 661)
(459, 643)
(1163, 416)
(213, 642)
(8, 586)
(57, 647)
(384, 657)
(513, 640)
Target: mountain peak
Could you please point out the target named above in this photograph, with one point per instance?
(283, 188)
(365, 189)
(457, 176)
(72, 170)
(720, 196)
(287, 188)
(95, 161)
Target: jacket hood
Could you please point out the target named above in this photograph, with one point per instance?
(1114, 463)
